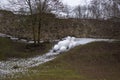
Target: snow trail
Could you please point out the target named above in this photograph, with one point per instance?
(20, 65)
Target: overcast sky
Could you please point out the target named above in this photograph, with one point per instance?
(73, 3)
(68, 2)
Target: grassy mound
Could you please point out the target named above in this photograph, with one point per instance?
(10, 49)
(93, 61)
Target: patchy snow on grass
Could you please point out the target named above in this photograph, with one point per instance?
(21, 65)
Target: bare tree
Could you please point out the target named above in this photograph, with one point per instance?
(36, 9)
(102, 8)
(78, 12)
(46, 6)
(67, 10)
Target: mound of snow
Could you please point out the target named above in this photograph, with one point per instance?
(70, 42)
(64, 45)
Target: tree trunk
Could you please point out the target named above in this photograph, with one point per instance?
(33, 28)
(34, 38)
(32, 19)
(39, 28)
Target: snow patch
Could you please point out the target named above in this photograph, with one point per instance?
(7, 67)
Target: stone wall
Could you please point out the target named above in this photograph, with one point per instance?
(54, 28)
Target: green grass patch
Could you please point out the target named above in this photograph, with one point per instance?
(93, 61)
(49, 73)
(12, 49)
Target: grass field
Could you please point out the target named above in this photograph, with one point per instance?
(93, 61)
(10, 49)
